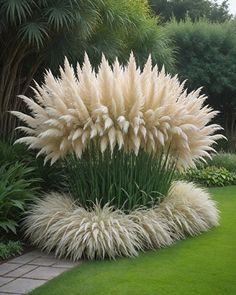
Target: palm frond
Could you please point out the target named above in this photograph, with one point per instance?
(34, 33)
(60, 16)
(17, 11)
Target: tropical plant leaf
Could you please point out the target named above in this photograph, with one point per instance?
(17, 187)
(34, 33)
(17, 11)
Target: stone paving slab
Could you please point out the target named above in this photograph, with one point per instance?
(26, 258)
(4, 280)
(20, 271)
(45, 272)
(29, 271)
(65, 264)
(9, 293)
(7, 267)
(46, 261)
(21, 285)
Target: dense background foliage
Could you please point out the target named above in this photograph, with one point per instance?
(226, 160)
(194, 9)
(206, 56)
(35, 35)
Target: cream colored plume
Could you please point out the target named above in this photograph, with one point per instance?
(120, 107)
(156, 232)
(57, 223)
(188, 209)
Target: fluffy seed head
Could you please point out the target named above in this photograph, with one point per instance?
(121, 107)
(188, 209)
(155, 231)
(56, 223)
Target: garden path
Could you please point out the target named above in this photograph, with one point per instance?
(22, 274)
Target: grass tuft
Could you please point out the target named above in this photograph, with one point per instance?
(123, 180)
(58, 223)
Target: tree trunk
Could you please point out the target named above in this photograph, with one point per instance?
(11, 84)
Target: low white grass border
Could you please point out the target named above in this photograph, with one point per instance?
(57, 223)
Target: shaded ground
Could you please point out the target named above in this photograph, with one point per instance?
(197, 266)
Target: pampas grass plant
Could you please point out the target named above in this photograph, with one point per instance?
(57, 223)
(119, 106)
(122, 131)
(155, 231)
(188, 209)
(123, 180)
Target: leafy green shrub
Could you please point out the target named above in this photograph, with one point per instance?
(51, 176)
(17, 187)
(210, 176)
(9, 249)
(206, 56)
(124, 180)
(226, 160)
(10, 154)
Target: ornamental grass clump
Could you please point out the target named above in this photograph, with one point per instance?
(123, 179)
(58, 223)
(118, 106)
(121, 132)
(188, 209)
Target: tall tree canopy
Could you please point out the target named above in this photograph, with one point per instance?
(194, 9)
(38, 34)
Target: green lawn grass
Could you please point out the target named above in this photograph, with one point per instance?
(200, 265)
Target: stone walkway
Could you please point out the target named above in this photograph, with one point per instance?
(29, 271)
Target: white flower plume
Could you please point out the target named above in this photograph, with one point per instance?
(121, 107)
(56, 222)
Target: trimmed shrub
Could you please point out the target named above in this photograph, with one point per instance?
(194, 9)
(210, 176)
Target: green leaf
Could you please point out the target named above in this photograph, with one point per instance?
(34, 33)
(17, 10)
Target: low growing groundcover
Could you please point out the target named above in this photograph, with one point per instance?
(200, 265)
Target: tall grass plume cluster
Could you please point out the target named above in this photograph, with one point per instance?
(121, 131)
(118, 106)
(59, 223)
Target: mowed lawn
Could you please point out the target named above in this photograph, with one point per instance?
(203, 265)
